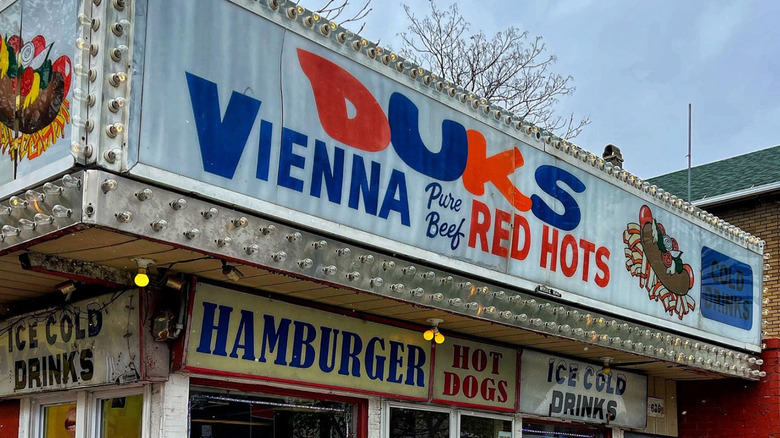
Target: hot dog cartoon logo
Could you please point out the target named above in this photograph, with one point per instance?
(655, 257)
(33, 87)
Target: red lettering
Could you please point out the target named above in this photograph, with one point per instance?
(602, 256)
(500, 233)
(480, 224)
(496, 169)
(496, 356)
(569, 250)
(479, 360)
(470, 386)
(333, 86)
(460, 357)
(451, 383)
(549, 248)
(502, 393)
(488, 389)
(521, 225)
(587, 250)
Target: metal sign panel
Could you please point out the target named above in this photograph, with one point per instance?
(241, 334)
(475, 374)
(86, 343)
(270, 120)
(552, 386)
(37, 79)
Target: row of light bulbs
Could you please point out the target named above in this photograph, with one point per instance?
(457, 296)
(119, 54)
(461, 296)
(46, 203)
(312, 20)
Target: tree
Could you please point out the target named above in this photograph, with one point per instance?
(510, 69)
(334, 9)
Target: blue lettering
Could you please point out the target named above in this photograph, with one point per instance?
(207, 328)
(547, 178)
(288, 159)
(586, 383)
(325, 348)
(446, 165)
(601, 381)
(275, 339)
(360, 184)
(414, 370)
(350, 348)
(433, 224)
(264, 150)
(222, 139)
(375, 371)
(396, 361)
(246, 327)
(391, 203)
(303, 335)
(321, 170)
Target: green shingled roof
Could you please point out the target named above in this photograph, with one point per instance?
(726, 176)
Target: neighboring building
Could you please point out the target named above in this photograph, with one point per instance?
(744, 191)
(235, 218)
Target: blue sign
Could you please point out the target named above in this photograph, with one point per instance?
(726, 289)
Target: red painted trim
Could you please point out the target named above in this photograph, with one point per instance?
(296, 382)
(70, 229)
(432, 370)
(519, 375)
(273, 390)
(362, 404)
(143, 332)
(179, 348)
(472, 405)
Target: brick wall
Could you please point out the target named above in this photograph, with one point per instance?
(761, 217)
(733, 407)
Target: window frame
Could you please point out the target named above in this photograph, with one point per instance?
(453, 412)
(362, 414)
(88, 420)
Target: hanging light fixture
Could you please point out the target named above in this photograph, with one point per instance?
(606, 368)
(433, 333)
(231, 272)
(141, 278)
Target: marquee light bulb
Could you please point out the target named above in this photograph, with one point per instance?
(141, 278)
(428, 334)
(439, 338)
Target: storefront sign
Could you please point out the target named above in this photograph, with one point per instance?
(36, 115)
(86, 343)
(552, 386)
(474, 374)
(655, 407)
(241, 334)
(726, 289)
(351, 147)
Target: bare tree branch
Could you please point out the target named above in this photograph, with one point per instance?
(333, 10)
(509, 69)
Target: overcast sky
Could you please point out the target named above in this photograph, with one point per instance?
(637, 66)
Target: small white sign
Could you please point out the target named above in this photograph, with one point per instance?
(655, 407)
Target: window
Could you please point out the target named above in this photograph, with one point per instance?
(543, 430)
(437, 422)
(120, 417)
(58, 421)
(472, 426)
(415, 423)
(223, 413)
(114, 413)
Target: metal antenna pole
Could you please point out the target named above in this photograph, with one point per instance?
(689, 152)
